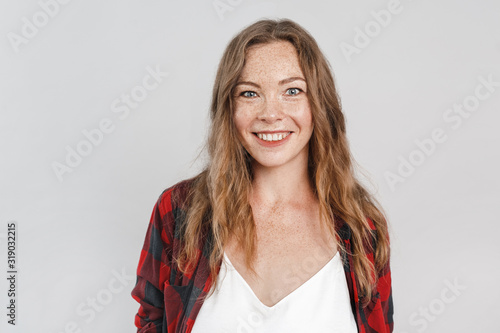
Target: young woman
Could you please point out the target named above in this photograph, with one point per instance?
(276, 234)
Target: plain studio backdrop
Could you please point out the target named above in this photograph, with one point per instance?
(104, 104)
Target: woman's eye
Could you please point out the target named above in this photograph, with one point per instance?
(248, 94)
(293, 91)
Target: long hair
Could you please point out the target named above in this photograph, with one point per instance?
(219, 195)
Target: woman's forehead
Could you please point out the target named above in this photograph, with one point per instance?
(270, 49)
(271, 59)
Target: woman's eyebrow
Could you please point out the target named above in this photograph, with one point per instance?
(282, 82)
(249, 83)
(291, 79)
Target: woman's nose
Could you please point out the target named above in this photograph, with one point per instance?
(271, 111)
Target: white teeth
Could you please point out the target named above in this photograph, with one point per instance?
(272, 137)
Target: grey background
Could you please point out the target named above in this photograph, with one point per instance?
(77, 232)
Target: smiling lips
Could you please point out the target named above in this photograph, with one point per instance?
(270, 137)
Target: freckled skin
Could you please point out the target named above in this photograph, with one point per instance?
(272, 107)
(291, 246)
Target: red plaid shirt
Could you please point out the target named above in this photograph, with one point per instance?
(170, 301)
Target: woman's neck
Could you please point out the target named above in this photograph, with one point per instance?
(286, 183)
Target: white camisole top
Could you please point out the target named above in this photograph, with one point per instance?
(321, 304)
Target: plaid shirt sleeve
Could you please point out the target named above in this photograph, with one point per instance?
(382, 305)
(159, 281)
(377, 316)
(384, 290)
(154, 269)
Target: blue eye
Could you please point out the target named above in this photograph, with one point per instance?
(248, 94)
(293, 91)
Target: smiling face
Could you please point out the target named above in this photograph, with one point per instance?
(271, 108)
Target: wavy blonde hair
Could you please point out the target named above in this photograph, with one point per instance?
(219, 195)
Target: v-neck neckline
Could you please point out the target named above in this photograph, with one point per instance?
(293, 292)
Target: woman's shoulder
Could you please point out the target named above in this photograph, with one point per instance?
(175, 196)
(169, 209)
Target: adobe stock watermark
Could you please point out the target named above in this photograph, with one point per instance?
(31, 27)
(381, 19)
(223, 6)
(424, 315)
(454, 118)
(121, 106)
(88, 309)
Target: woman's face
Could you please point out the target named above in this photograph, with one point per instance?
(272, 112)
